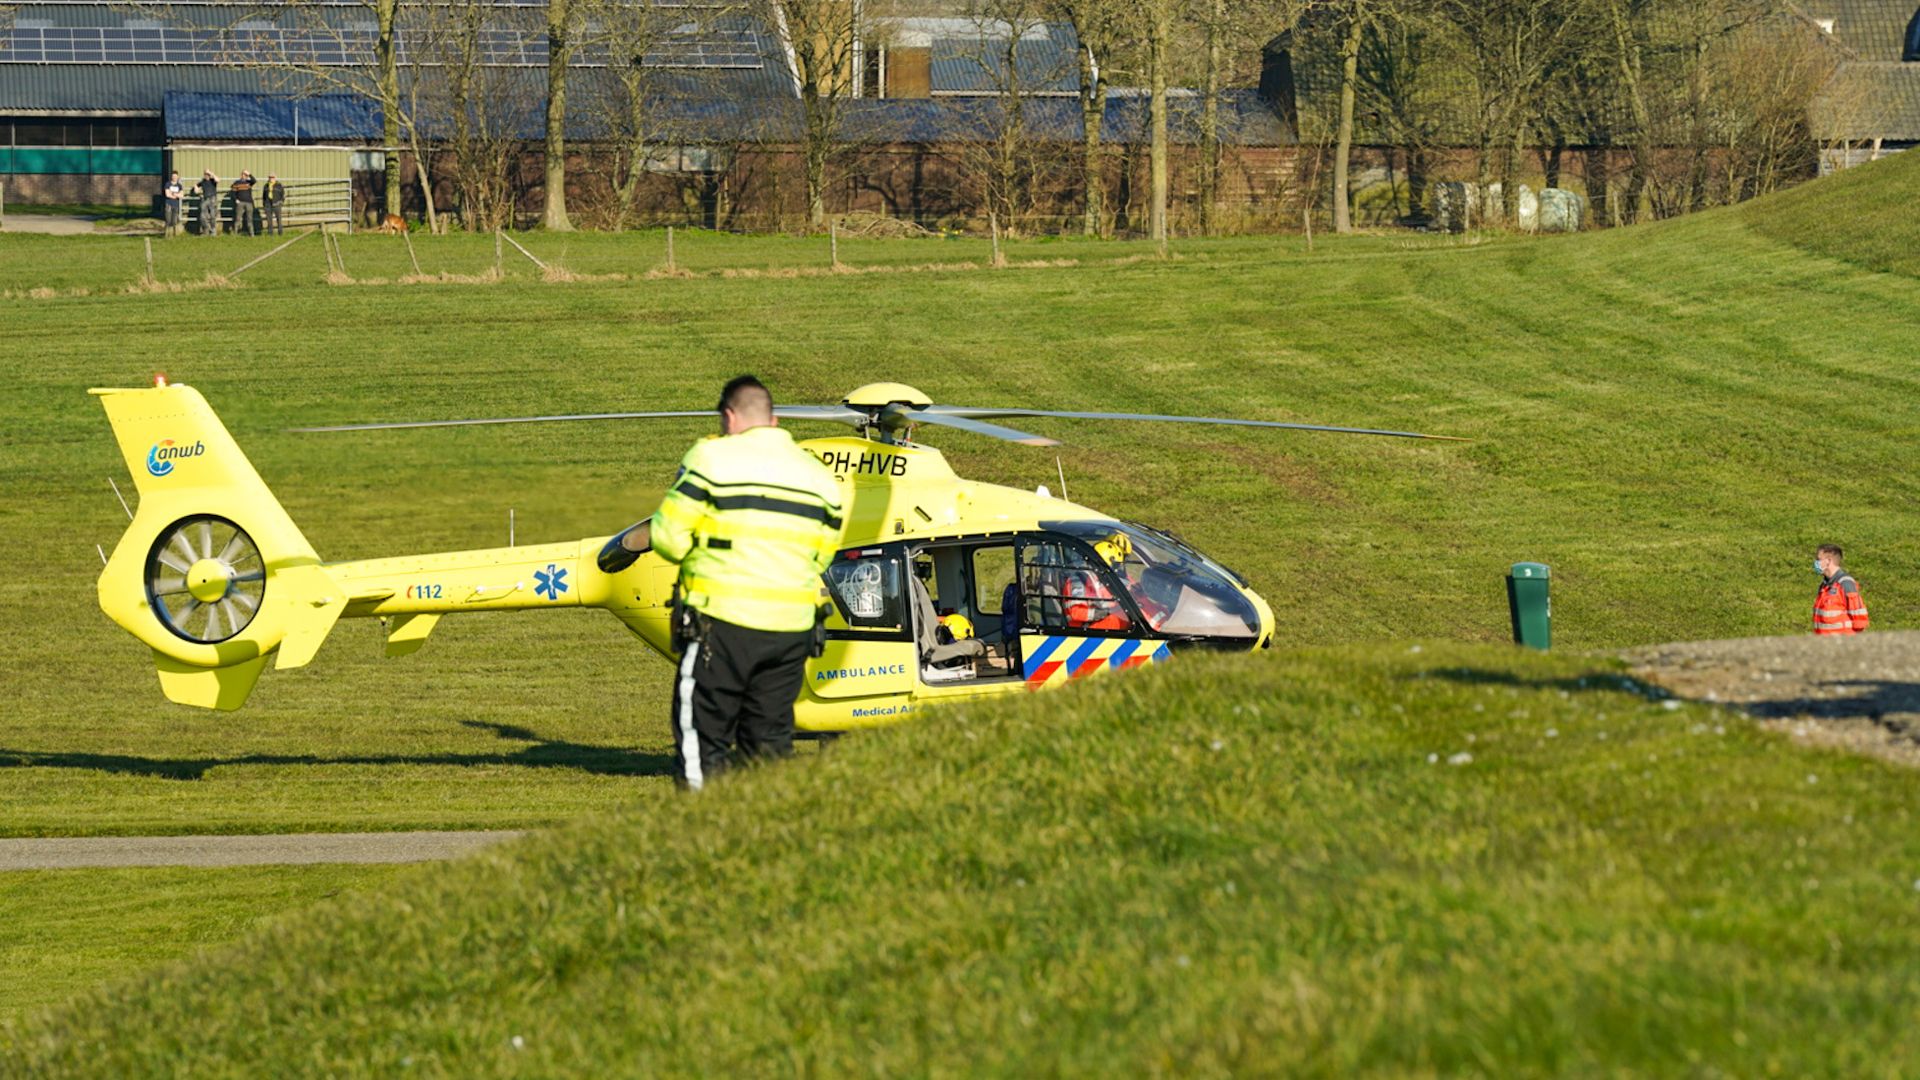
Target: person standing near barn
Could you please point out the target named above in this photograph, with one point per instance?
(243, 205)
(1838, 608)
(753, 521)
(172, 195)
(209, 204)
(273, 196)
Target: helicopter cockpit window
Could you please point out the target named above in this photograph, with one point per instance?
(1063, 591)
(1179, 591)
(867, 590)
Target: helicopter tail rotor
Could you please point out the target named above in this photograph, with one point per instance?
(212, 573)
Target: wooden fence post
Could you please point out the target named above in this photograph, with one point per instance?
(149, 241)
(670, 266)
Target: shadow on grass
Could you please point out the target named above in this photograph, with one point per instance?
(1894, 706)
(540, 753)
(1598, 682)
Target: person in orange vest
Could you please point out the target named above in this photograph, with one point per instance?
(1838, 608)
(1090, 605)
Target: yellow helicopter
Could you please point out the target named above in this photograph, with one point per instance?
(944, 587)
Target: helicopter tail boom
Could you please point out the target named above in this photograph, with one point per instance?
(212, 573)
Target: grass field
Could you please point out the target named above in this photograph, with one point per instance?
(70, 930)
(1437, 860)
(1672, 416)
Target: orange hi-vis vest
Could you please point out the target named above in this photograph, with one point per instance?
(1839, 608)
(1090, 606)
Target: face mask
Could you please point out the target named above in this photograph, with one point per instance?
(1817, 570)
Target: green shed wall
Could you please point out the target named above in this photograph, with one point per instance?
(287, 162)
(80, 160)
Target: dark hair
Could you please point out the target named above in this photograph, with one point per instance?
(1831, 549)
(745, 394)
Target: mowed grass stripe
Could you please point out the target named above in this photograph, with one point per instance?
(68, 931)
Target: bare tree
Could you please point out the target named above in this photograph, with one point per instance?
(1353, 18)
(1770, 82)
(1009, 162)
(1401, 86)
(1156, 24)
(1226, 29)
(1512, 51)
(478, 111)
(387, 74)
(563, 17)
(825, 37)
(1099, 27)
(622, 103)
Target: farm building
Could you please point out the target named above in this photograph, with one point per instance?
(99, 100)
(1873, 104)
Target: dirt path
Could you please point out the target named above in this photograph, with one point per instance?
(1860, 693)
(67, 853)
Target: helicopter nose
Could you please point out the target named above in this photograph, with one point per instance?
(1263, 640)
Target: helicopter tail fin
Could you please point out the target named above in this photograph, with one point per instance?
(212, 573)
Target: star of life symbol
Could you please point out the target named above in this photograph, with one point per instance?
(550, 582)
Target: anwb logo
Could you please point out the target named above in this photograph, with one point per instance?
(164, 453)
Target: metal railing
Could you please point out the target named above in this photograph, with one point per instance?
(308, 202)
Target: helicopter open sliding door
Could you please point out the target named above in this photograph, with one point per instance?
(1072, 620)
(958, 588)
(865, 674)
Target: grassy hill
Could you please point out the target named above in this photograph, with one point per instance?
(1410, 860)
(1863, 216)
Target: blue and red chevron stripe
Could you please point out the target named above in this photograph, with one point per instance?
(1060, 658)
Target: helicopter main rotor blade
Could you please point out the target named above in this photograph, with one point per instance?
(967, 423)
(834, 413)
(928, 414)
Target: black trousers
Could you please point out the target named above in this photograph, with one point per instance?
(736, 687)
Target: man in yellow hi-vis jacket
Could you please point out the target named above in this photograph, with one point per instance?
(753, 521)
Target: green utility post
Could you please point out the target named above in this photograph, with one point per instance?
(1529, 605)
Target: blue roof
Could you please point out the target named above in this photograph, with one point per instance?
(679, 118)
(271, 117)
(1245, 119)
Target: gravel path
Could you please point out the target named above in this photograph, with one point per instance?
(1859, 693)
(67, 853)
(48, 225)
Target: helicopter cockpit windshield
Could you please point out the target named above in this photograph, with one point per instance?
(1180, 591)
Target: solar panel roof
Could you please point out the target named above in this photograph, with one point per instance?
(343, 46)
